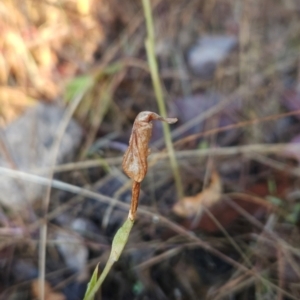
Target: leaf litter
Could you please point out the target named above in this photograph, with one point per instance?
(189, 207)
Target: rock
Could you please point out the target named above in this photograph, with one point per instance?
(26, 145)
(73, 250)
(208, 52)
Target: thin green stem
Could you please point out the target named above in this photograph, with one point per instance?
(149, 19)
(118, 244)
(91, 293)
(150, 49)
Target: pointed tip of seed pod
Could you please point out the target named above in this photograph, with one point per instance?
(148, 116)
(171, 120)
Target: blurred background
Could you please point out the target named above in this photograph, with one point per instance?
(73, 77)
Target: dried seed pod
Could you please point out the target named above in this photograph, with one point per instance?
(135, 158)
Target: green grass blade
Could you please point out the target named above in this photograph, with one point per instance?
(150, 49)
(120, 240)
(77, 85)
(118, 244)
(92, 283)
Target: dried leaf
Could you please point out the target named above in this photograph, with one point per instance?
(55, 296)
(12, 103)
(12, 41)
(49, 293)
(15, 54)
(16, 67)
(44, 57)
(188, 207)
(83, 6)
(3, 70)
(45, 87)
(135, 159)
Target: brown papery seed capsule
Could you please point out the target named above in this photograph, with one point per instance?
(135, 163)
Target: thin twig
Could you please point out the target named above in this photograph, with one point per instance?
(43, 230)
(235, 126)
(184, 154)
(173, 226)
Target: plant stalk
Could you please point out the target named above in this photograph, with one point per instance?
(136, 186)
(150, 49)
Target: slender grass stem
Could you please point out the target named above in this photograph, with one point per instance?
(150, 49)
(118, 244)
(91, 293)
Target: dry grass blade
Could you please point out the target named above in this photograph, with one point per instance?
(231, 78)
(43, 230)
(278, 149)
(173, 226)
